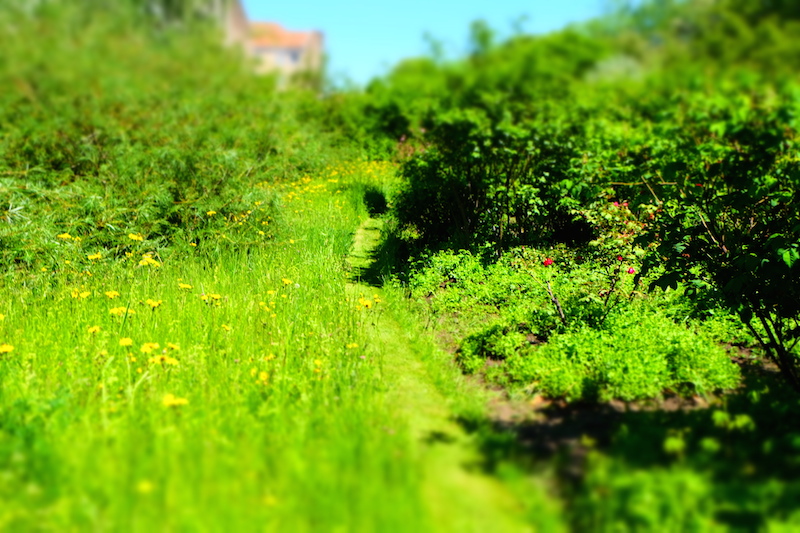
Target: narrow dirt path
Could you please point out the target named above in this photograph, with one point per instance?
(422, 386)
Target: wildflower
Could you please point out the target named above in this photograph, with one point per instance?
(170, 400)
(148, 260)
(92, 257)
(547, 262)
(153, 303)
(619, 258)
(215, 296)
(148, 347)
(2, 317)
(111, 294)
(117, 311)
(211, 213)
(64, 236)
(173, 346)
(184, 286)
(135, 236)
(126, 341)
(6, 348)
(352, 345)
(271, 293)
(192, 244)
(631, 270)
(93, 329)
(164, 360)
(286, 281)
(226, 327)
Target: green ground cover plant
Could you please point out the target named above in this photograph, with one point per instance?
(220, 297)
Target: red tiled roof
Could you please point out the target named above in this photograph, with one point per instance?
(273, 34)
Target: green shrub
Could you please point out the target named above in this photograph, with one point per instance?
(642, 354)
(494, 342)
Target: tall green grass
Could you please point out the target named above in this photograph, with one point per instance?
(260, 408)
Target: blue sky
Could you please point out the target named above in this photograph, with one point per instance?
(364, 39)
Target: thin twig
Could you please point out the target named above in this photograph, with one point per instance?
(554, 299)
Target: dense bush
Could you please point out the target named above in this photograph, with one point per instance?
(638, 355)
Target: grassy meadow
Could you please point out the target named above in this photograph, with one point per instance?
(548, 286)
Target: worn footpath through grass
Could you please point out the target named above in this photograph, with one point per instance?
(429, 394)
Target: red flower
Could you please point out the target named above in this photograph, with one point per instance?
(547, 262)
(619, 258)
(631, 270)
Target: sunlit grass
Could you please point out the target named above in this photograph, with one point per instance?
(223, 385)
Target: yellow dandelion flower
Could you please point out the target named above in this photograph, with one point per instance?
(204, 297)
(92, 257)
(352, 345)
(173, 346)
(164, 360)
(126, 341)
(64, 236)
(84, 294)
(135, 236)
(286, 281)
(118, 311)
(184, 286)
(192, 244)
(211, 213)
(153, 303)
(93, 329)
(2, 317)
(148, 260)
(263, 376)
(148, 347)
(215, 296)
(272, 293)
(226, 327)
(170, 400)
(112, 294)
(6, 348)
